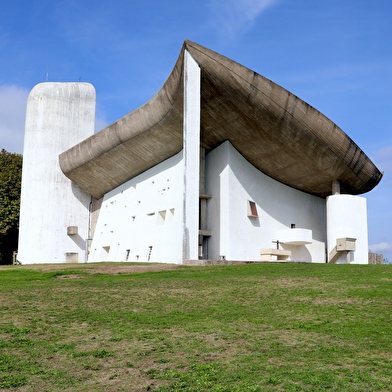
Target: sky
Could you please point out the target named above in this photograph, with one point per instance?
(336, 55)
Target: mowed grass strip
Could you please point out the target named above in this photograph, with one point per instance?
(249, 327)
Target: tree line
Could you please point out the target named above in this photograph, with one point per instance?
(10, 187)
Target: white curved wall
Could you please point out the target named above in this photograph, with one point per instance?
(144, 212)
(147, 212)
(58, 116)
(347, 217)
(232, 180)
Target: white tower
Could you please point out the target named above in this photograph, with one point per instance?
(54, 212)
(347, 230)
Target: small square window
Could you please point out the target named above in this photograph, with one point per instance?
(252, 209)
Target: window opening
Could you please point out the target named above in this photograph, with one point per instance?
(252, 209)
(161, 217)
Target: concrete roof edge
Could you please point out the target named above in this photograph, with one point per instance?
(117, 133)
(268, 117)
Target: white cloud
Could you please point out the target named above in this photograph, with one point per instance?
(381, 247)
(100, 122)
(383, 159)
(385, 152)
(234, 17)
(12, 117)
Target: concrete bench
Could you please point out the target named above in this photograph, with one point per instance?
(274, 254)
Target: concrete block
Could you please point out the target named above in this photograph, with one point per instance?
(72, 230)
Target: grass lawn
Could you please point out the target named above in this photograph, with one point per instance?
(248, 327)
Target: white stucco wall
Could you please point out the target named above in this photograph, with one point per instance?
(58, 116)
(144, 212)
(232, 181)
(347, 217)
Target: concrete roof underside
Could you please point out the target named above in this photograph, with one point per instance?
(273, 129)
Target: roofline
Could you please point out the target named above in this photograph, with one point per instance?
(276, 131)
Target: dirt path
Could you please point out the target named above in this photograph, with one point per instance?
(100, 268)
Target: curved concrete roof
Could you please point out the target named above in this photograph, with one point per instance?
(273, 129)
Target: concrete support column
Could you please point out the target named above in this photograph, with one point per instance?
(202, 203)
(335, 187)
(191, 157)
(347, 218)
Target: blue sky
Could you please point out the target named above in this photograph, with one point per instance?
(334, 54)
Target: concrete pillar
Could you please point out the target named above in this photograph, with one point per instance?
(347, 218)
(58, 116)
(335, 187)
(191, 157)
(202, 204)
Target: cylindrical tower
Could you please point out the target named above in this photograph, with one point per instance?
(54, 212)
(347, 229)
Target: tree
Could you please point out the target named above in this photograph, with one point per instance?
(10, 182)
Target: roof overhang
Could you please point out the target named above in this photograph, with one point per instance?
(277, 132)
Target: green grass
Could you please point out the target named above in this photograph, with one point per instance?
(250, 327)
